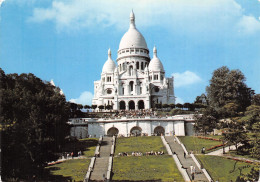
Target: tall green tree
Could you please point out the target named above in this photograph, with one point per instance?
(228, 86)
(33, 124)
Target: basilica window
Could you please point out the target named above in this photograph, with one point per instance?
(137, 65)
(109, 91)
(156, 89)
(140, 90)
(109, 79)
(120, 67)
(142, 66)
(141, 51)
(155, 77)
(123, 91)
(131, 70)
(131, 86)
(161, 77)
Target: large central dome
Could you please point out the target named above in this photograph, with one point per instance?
(132, 38)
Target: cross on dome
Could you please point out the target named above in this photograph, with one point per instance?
(132, 19)
(109, 53)
(154, 52)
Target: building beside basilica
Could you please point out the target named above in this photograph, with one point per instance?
(136, 81)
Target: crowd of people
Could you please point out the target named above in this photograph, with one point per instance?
(141, 154)
(70, 155)
(135, 113)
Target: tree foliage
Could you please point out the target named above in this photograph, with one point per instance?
(228, 86)
(205, 122)
(33, 124)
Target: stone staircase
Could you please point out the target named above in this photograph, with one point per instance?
(101, 164)
(186, 162)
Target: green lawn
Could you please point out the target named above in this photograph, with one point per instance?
(195, 144)
(223, 169)
(90, 146)
(246, 156)
(86, 145)
(74, 169)
(145, 168)
(139, 144)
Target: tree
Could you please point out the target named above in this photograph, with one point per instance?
(235, 133)
(172, 106)
(87, 107)
(158, 106)
(256, 100)
(179, 105)
(94, 107)
(204, 123)
(101, 107)
(33, 124)
(165, 106)
(79, 106)
(228, 86)
(251, 121)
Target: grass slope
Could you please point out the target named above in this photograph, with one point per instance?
(223, 169)
(146, 168)
(195, 144)
(139, 144)
(74, 169)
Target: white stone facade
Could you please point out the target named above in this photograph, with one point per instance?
(180, 125)
(136, 82)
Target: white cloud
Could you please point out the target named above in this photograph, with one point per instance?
(203, 16)
(179, 101)
(85, 98)
(186, 78)
(1, 1)
(248, 25)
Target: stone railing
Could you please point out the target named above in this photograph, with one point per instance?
(90, 168)
(93, 160)
(109, 170)
(110, 162)
(176, 159)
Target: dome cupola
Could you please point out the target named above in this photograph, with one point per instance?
(109, 65)
(133, 42)
(132, 38)
(155, 64)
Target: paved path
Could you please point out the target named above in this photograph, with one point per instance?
(219, 152)
(101, 164)
(186, 162)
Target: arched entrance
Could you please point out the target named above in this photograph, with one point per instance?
(112, 131)
(159, 130)
(131, 105)
(140, 104)
(136, 131)
(122, 105)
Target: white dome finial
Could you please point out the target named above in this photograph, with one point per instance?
(154, 52)
(109, 53)
(132, 19)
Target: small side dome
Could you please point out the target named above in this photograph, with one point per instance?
(155, 64)
(109, 65)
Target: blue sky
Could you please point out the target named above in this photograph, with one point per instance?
(67, 41)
